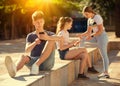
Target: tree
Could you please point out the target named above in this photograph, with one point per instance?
(117, 18)
(105, 8)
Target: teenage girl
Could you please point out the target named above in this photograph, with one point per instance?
(96, 33)
(63, 46)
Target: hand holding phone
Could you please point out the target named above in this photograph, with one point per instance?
(41, 33)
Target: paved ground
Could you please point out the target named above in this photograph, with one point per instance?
(15, 48)
(114, 71)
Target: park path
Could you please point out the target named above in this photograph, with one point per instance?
(114, 71)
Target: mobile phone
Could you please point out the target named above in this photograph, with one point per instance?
(41, 33)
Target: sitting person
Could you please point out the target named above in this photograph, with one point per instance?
(40, 44)
(64, 24)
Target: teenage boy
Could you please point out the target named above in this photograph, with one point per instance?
(40, 44)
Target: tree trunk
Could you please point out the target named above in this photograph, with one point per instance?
(6, 35)
(13, 27)
(117, 18)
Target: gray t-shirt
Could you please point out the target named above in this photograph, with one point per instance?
(37, 50)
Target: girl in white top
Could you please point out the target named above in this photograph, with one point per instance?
(64, 24)
(96, 33)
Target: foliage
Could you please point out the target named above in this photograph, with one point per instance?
(104, 7)
(15, 15)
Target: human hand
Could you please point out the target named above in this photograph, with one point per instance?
(75, 42)
(88, 38)
(79, 35)
(43, 36)
(37, 41)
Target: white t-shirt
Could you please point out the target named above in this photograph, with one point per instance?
(65, 35)
(96, 20)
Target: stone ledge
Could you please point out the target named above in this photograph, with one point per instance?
(62, 74)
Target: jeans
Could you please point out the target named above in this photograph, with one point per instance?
(46, 65)
(102, 42)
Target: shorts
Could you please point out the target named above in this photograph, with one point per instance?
(46, 65)
(62, 53)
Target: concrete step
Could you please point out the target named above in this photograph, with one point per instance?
(62, 74)
(114, 71)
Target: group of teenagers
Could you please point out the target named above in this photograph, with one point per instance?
(41, 45)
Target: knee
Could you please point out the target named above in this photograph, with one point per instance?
(84, 56)
(83, 49)
(51, 43)
(25, 58)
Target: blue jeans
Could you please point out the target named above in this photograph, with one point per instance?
(46, 65)
(102, 42)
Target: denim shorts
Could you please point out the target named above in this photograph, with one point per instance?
(62, 53)
(46, 65)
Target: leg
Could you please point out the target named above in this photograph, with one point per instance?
(82, 63)
(49, 47)
(49, 62)
(102, 45)
(11, 66)
(79, 54)
(23, 60)
(75, 53)
(91, 68)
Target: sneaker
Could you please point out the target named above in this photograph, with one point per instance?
(11, 68)
(82, 76)
(103, 75)
(34, 69)
(92, 70)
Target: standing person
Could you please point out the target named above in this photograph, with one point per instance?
(41, 51)
(96, 33)
(64, 24)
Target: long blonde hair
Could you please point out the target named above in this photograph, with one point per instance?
(61, 23)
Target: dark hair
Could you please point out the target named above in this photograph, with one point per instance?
(88, 9)
(61, 23)
(37, 15)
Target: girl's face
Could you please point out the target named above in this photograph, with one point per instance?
(68, 25)
(88, 14)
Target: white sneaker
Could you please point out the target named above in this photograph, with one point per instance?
(34, 70)
(103, 75)
(11, 68)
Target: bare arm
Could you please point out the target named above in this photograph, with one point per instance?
(30, 46)
(87, 33)
(46, 37)
(69, 45)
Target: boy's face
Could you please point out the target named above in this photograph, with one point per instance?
(39, 23)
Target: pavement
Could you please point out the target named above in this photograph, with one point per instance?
(15, 48)
(114, 71)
